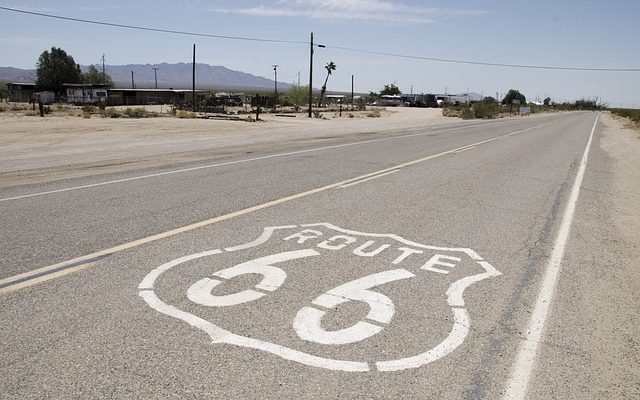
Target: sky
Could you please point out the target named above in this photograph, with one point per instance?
(560, 33)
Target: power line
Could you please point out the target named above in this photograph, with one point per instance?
(380, 53)
(144, 28)
(446, 60)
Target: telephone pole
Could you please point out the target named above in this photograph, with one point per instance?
(311, 78)
(275, 80)
(104, 74)
(352, 92)
(193, 83)
(155, 74)
(311, 75)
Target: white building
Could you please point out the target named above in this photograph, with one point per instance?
(85, 93)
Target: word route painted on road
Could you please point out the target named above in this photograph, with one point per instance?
(324, 296)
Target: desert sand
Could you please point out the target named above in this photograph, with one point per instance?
(35, 149)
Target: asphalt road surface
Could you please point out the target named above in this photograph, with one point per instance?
(474, 261)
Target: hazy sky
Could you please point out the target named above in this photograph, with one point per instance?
(565, 33)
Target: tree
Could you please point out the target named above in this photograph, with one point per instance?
(489, 100)
(95, 77)
(514, 95)
(330, 67)
(547, 101)
(56, 68)
(298, 94)
(390, 90)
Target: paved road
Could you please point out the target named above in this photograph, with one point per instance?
(414, 264)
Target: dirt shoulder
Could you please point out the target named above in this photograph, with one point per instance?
(38, 149)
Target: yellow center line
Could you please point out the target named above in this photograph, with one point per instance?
(369, 179)
(82, 262)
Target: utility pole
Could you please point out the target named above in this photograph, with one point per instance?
(193, 83)
(155, 74)
(275, 80)
(133, 86)
(311, 76)
(352, 91)
(299, 78)
(104, 74)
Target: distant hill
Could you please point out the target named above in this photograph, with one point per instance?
(10, 74)
(176, 76)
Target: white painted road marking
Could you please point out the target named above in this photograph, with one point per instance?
(180, 171)
(307, 322)
(518, 385)
(42, 274)
(369, 179)
(272, 279)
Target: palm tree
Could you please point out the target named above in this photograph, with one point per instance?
(330, 67)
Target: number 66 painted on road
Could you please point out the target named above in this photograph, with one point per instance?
(307, 322)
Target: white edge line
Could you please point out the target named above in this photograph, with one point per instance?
(235, 162)
(518, 384)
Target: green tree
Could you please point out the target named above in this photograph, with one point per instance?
(56, 68)
(390, 90)
(298, 94)
(489, 100)
(330, 67)
(514, 95)
(95, 77)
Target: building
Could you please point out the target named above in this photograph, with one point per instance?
(85, 93)
(139, 97)
(390, 100)
(21, 92)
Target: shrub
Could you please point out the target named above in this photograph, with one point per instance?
(485, 110)
(111, 113)
(88, 108)
(138, 113)
(374, 114)
(185, 114)
(632, 114)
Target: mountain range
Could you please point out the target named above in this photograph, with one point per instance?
(176, 76)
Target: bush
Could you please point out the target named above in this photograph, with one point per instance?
(450, 112)
(138, 113)
(482, 110)
(485, 110)
(374, 114)
(185, 114)
(111, 113)
(88, 108)
(632, 114)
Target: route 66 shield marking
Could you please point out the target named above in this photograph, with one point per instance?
(283, 250)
